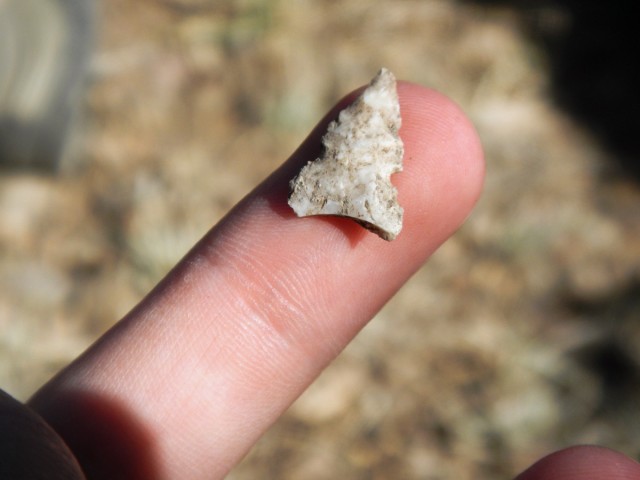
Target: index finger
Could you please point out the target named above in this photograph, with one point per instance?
(191, 378)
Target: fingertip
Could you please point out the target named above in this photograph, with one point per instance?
(443, 162)
(443, 167)
(585, 462)
(436, 129)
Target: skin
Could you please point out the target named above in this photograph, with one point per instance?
(186, 383)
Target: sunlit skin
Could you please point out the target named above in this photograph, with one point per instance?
(188, 381)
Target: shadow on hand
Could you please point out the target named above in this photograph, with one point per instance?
(106, 439)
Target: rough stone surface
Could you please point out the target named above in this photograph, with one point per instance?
(361, 151)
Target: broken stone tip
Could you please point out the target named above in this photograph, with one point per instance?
(362, 149)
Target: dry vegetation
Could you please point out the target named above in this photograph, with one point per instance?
(520, 335)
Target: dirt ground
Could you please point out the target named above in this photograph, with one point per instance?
(520, 336)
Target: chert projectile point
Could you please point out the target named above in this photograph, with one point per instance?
(352, 176)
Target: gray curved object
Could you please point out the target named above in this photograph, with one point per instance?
(44, 51)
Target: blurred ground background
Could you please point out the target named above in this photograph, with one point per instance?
(520, 336)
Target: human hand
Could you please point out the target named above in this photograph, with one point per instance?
(193, 376)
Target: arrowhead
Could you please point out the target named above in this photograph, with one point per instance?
(361, 151)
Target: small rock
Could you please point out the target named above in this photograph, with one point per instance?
(361, 151)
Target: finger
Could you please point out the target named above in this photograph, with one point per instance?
(583, 463)
(257, 309)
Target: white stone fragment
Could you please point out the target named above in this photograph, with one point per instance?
(352, 176)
